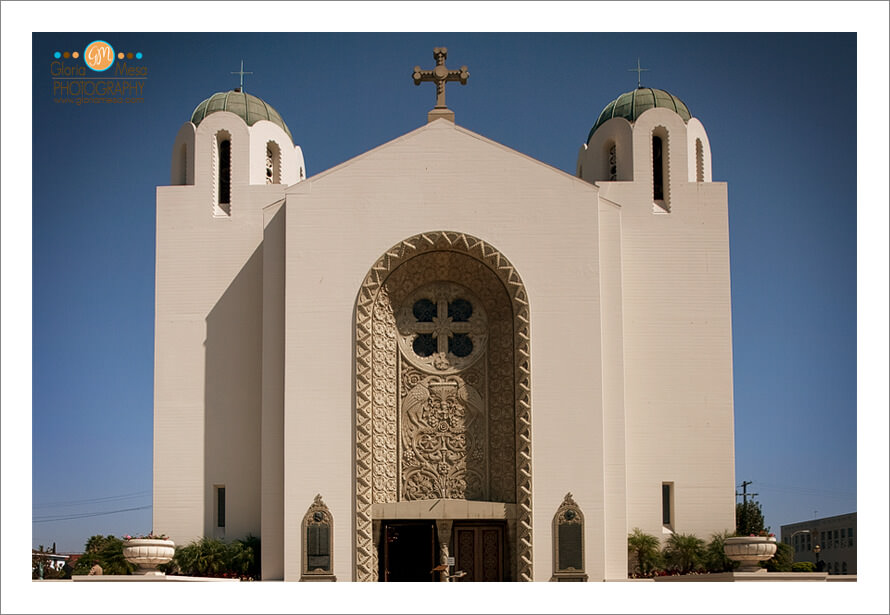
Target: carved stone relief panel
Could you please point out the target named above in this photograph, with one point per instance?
(443, 441)
(450, 431)
(443, 331)
(482, 380)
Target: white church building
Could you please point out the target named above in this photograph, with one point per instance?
(443, 357)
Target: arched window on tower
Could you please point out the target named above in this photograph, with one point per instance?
(657, 170)
(699, 161)
(613, 163)
(660, 170)
(223, 162)
(273, 163)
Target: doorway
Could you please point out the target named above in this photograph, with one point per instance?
(479, 551)
(408, 551)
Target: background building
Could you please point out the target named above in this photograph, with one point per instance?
(835, 536)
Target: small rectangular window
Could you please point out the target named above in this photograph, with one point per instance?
(667, 504)
(220, 507)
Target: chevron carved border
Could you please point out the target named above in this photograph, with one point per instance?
(365, 553)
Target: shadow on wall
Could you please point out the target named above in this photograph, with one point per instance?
(233, 406)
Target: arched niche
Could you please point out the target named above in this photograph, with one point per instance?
(447, 261)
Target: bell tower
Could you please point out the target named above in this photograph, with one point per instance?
(647, 136)
(232, 158)
(651, 161)
(234, 139)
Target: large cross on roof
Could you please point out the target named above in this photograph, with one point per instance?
(440, 75)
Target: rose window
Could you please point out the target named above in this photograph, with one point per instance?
(442, 327)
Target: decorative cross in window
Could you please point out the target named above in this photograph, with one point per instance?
(446, 323)
(440, 75)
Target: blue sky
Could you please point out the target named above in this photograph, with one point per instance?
(781, 113)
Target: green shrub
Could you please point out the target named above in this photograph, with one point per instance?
(715, 559)
(782, 560)
(803, 567)
(108, 552)
(684, 553)
(211, 557)
(643, 554)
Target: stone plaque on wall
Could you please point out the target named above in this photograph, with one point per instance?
(570, 538)
(568, 542)
(318, 543)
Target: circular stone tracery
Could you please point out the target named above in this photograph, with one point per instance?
(442, 328)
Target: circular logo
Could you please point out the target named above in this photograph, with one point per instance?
(98, 56)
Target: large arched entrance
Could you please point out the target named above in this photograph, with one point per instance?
(442, 411)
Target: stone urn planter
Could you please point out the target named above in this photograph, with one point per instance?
(749, 551)
(148, 554)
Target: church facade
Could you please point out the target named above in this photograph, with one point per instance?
(443, 358)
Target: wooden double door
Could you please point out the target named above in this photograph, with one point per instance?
(478, 551)
(409, 551)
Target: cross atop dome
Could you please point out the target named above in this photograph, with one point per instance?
(241, 73)
(639, 71)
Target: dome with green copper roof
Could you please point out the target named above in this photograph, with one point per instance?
(246, 106)
(631, 105)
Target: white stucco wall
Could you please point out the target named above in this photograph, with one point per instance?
(442, 177)
(677, 337)
(208, 339)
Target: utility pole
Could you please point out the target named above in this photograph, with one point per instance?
(744, 492)
(745, 495)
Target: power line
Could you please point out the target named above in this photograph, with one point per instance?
(85, 515)
(93, 500)
(810, 491)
